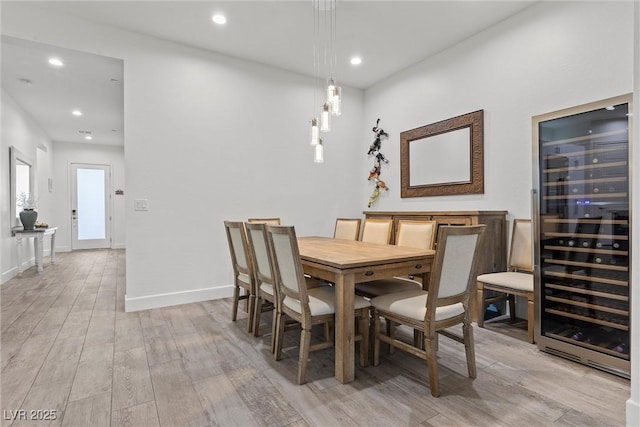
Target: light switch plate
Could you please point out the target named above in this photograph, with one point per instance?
(141, 205)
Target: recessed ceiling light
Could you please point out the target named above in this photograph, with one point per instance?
(219, 19)
(56, 62)
(89, 137)
(76, 112)
(356, 60)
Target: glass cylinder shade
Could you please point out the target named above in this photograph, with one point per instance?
(336, 102)
(325, 124)
(318, 156)
(331, 87)
(315, 132)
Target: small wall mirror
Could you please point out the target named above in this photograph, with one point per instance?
(22, 181)
(443, 158)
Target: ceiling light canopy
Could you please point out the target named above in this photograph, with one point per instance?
(356, 60)
(219, 19)
(76, 113)
(56, 62)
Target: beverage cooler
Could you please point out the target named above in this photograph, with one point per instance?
(581, 233)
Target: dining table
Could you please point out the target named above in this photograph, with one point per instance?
(347, 262)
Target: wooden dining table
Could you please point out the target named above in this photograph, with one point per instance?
(347, 262)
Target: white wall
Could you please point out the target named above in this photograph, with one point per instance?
(66, 153)
(209, 138)
(19, 130)
(551, 56)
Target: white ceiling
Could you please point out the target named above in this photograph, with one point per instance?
(389, 36)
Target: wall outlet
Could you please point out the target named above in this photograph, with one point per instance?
(141, 205)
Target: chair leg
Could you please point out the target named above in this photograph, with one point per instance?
(480, 305)
(512, 307)
(376, 339)
(277, 354)
(251, 312)
(391, 333)
(364, 333)
(305, 343)
(274, 330)
(530, 319)
(467, 335)
(257, 315)
(234, 307)
(432, 364)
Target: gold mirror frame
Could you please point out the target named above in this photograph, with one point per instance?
(475, 122)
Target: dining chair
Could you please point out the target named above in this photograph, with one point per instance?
(377, 230)
(306, 306)
(410, 233)
(446, 303)
(517, 281)
(347, 228)
(243, 277)
(272, 221)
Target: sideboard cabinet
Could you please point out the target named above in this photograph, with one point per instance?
(494, 252)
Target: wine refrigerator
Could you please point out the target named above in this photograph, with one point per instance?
(582, 241)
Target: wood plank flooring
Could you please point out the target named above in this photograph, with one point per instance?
(68, 346)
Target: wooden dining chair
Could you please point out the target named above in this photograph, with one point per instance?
(518, 281)
(272, 221)
(243, 277)
(347, 228)
(410, 233)
(377, 230)
(446, 303)
(266, 291)
(306, 306)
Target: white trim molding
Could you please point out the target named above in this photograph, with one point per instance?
(175, 298)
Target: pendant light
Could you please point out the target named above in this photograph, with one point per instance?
(325, 118)
(315, 132)
(318, 156)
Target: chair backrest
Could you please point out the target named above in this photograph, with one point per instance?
(347, 228)
(453, 273)
(259, 252)
(520, 254)
(238, 248)
(416, 234)
(271, 221)
(287, 268)
(377, 230)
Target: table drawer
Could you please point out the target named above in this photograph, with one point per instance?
(383, 272)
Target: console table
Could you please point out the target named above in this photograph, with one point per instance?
(38, 244)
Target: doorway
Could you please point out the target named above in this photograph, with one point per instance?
(90, 206)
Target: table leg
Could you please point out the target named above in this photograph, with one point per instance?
(344, 329)
(53, 248)
(38, 246)
(19, 246)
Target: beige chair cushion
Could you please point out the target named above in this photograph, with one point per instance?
(510, 280)
(347, 229)
(377, 232)
(244, 278)
(386, 286)
(322, 300)
(267, 288)
(413, 304)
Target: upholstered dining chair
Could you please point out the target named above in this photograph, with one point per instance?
(306, 306)
(377, 230)
(410, 233)
(266, 291)
(272, 221)
(518, 281)
(347, 228)
(243, 277)
(446, 303)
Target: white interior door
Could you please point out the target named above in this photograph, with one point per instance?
(90, 206)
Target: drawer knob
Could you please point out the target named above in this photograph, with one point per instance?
(369, 273)
(419, 266)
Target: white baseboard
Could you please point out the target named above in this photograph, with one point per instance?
(633, 413)
(13, 272)
(175, 298)
(118, 246)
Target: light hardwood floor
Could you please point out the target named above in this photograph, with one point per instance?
(68, 346)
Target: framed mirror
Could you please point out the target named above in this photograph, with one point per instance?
(22, 180)
(443, 158)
